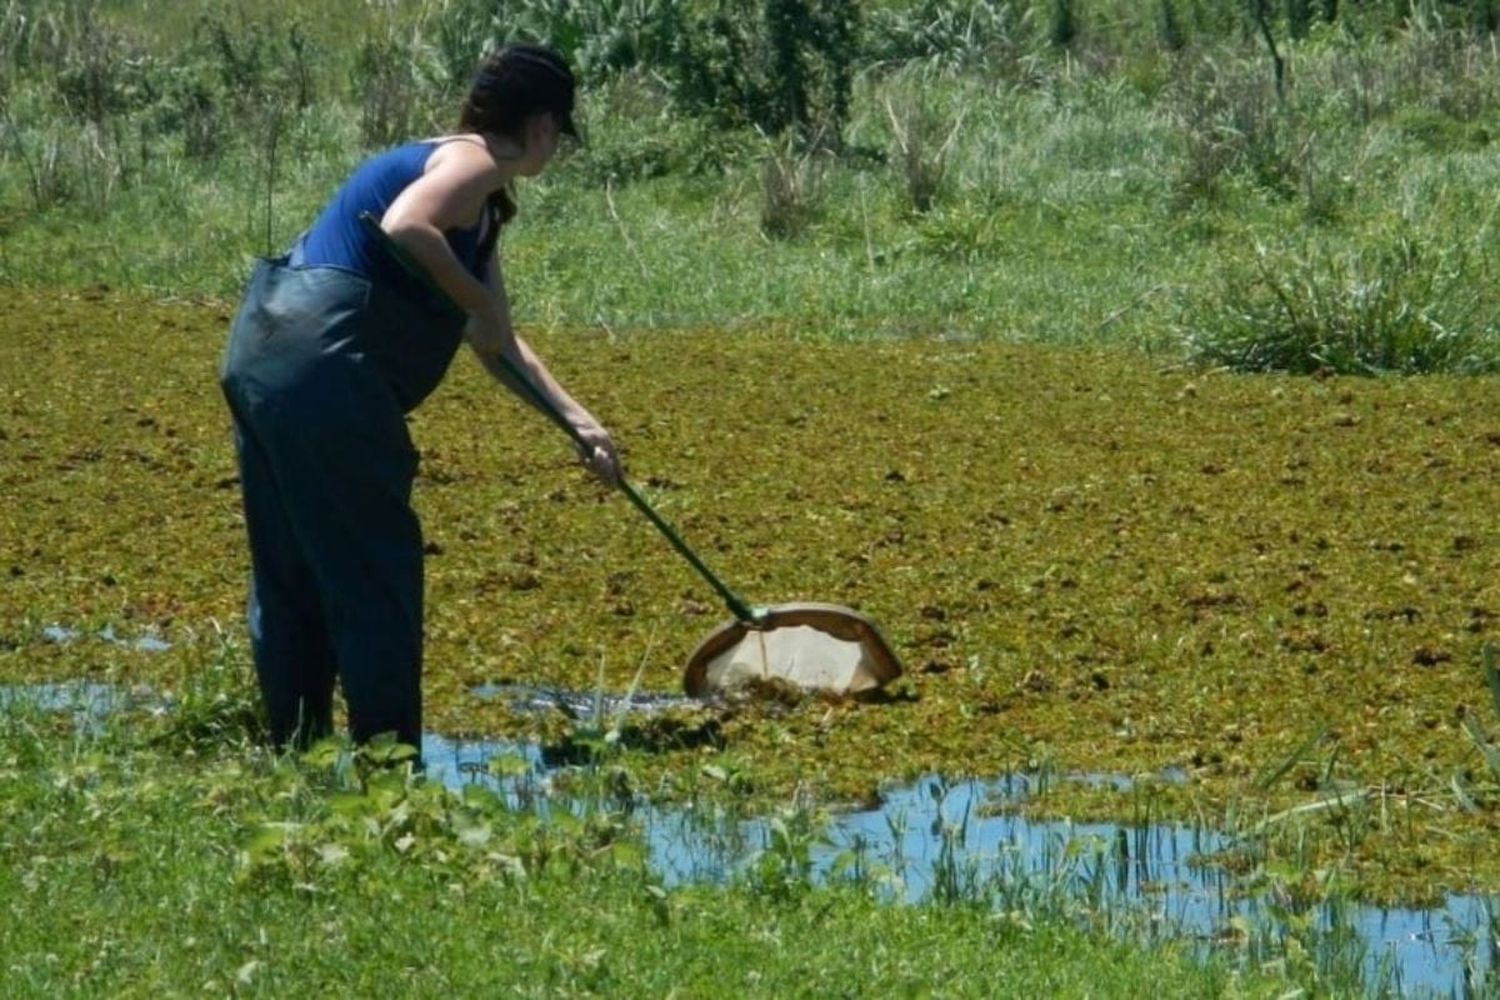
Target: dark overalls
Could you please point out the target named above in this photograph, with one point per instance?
(331, 347)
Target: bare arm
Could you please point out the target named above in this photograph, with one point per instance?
(595, 446)
(449, 195)
(526, 361)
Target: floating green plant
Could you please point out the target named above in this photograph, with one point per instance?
(1078, 556)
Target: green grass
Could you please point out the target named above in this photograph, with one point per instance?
(133, 869)
(1089, 201)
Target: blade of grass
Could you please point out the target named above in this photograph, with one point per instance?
(1491, 754)
(635, 684)
(1333, 760)
(1336, 800)
(598, 716)
(1265, 781)
(1462, 797)
(1491, 674)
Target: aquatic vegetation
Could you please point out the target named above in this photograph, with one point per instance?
(1081, 559)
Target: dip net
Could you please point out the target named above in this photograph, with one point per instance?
(816, 647)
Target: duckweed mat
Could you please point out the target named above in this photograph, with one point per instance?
(1086, 560)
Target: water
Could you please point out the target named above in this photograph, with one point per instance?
(148, 643)
(933, 837)
(579, 705)
(87, 701)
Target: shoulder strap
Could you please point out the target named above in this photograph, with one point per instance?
(492, 231)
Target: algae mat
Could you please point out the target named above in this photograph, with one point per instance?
(1085, 561)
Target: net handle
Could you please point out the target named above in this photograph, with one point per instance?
(732, 601)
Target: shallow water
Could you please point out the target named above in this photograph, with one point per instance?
(85, 699)
(148, 643)
(89, 703)
(933, 837)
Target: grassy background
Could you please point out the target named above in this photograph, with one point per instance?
(1115, 191)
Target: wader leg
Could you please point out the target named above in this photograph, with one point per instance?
(344, 464)
(327, 467)
(293, 662)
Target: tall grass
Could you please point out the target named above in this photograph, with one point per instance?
(1406, 307)
(975, 177)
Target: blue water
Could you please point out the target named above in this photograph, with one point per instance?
(932, 833)
(932, 836)
(88, 701)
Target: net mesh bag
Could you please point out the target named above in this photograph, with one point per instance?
(816, 647)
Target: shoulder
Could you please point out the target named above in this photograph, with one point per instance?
(462, 155)
(455, 181)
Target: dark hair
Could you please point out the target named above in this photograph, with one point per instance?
(510, 84)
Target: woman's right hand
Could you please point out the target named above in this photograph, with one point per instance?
(597, 449)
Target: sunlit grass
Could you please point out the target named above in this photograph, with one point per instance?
(1082, 206)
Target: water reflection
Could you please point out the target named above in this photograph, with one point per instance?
(147, 643)
(934, 838)
(85, 700)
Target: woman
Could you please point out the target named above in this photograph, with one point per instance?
(333, 344)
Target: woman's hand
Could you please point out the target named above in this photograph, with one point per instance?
(597, 449)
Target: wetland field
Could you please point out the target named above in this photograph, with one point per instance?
(1084, 561)
(1148, 399)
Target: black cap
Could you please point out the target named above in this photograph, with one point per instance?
(531, 78)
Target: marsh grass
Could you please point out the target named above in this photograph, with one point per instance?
(792, 188)
(1230, 123)
(923, 144)
(942, 33)
(1077, 182)
(1406, 307)
(1487, 748)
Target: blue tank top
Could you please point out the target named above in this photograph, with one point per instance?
(337, 239)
